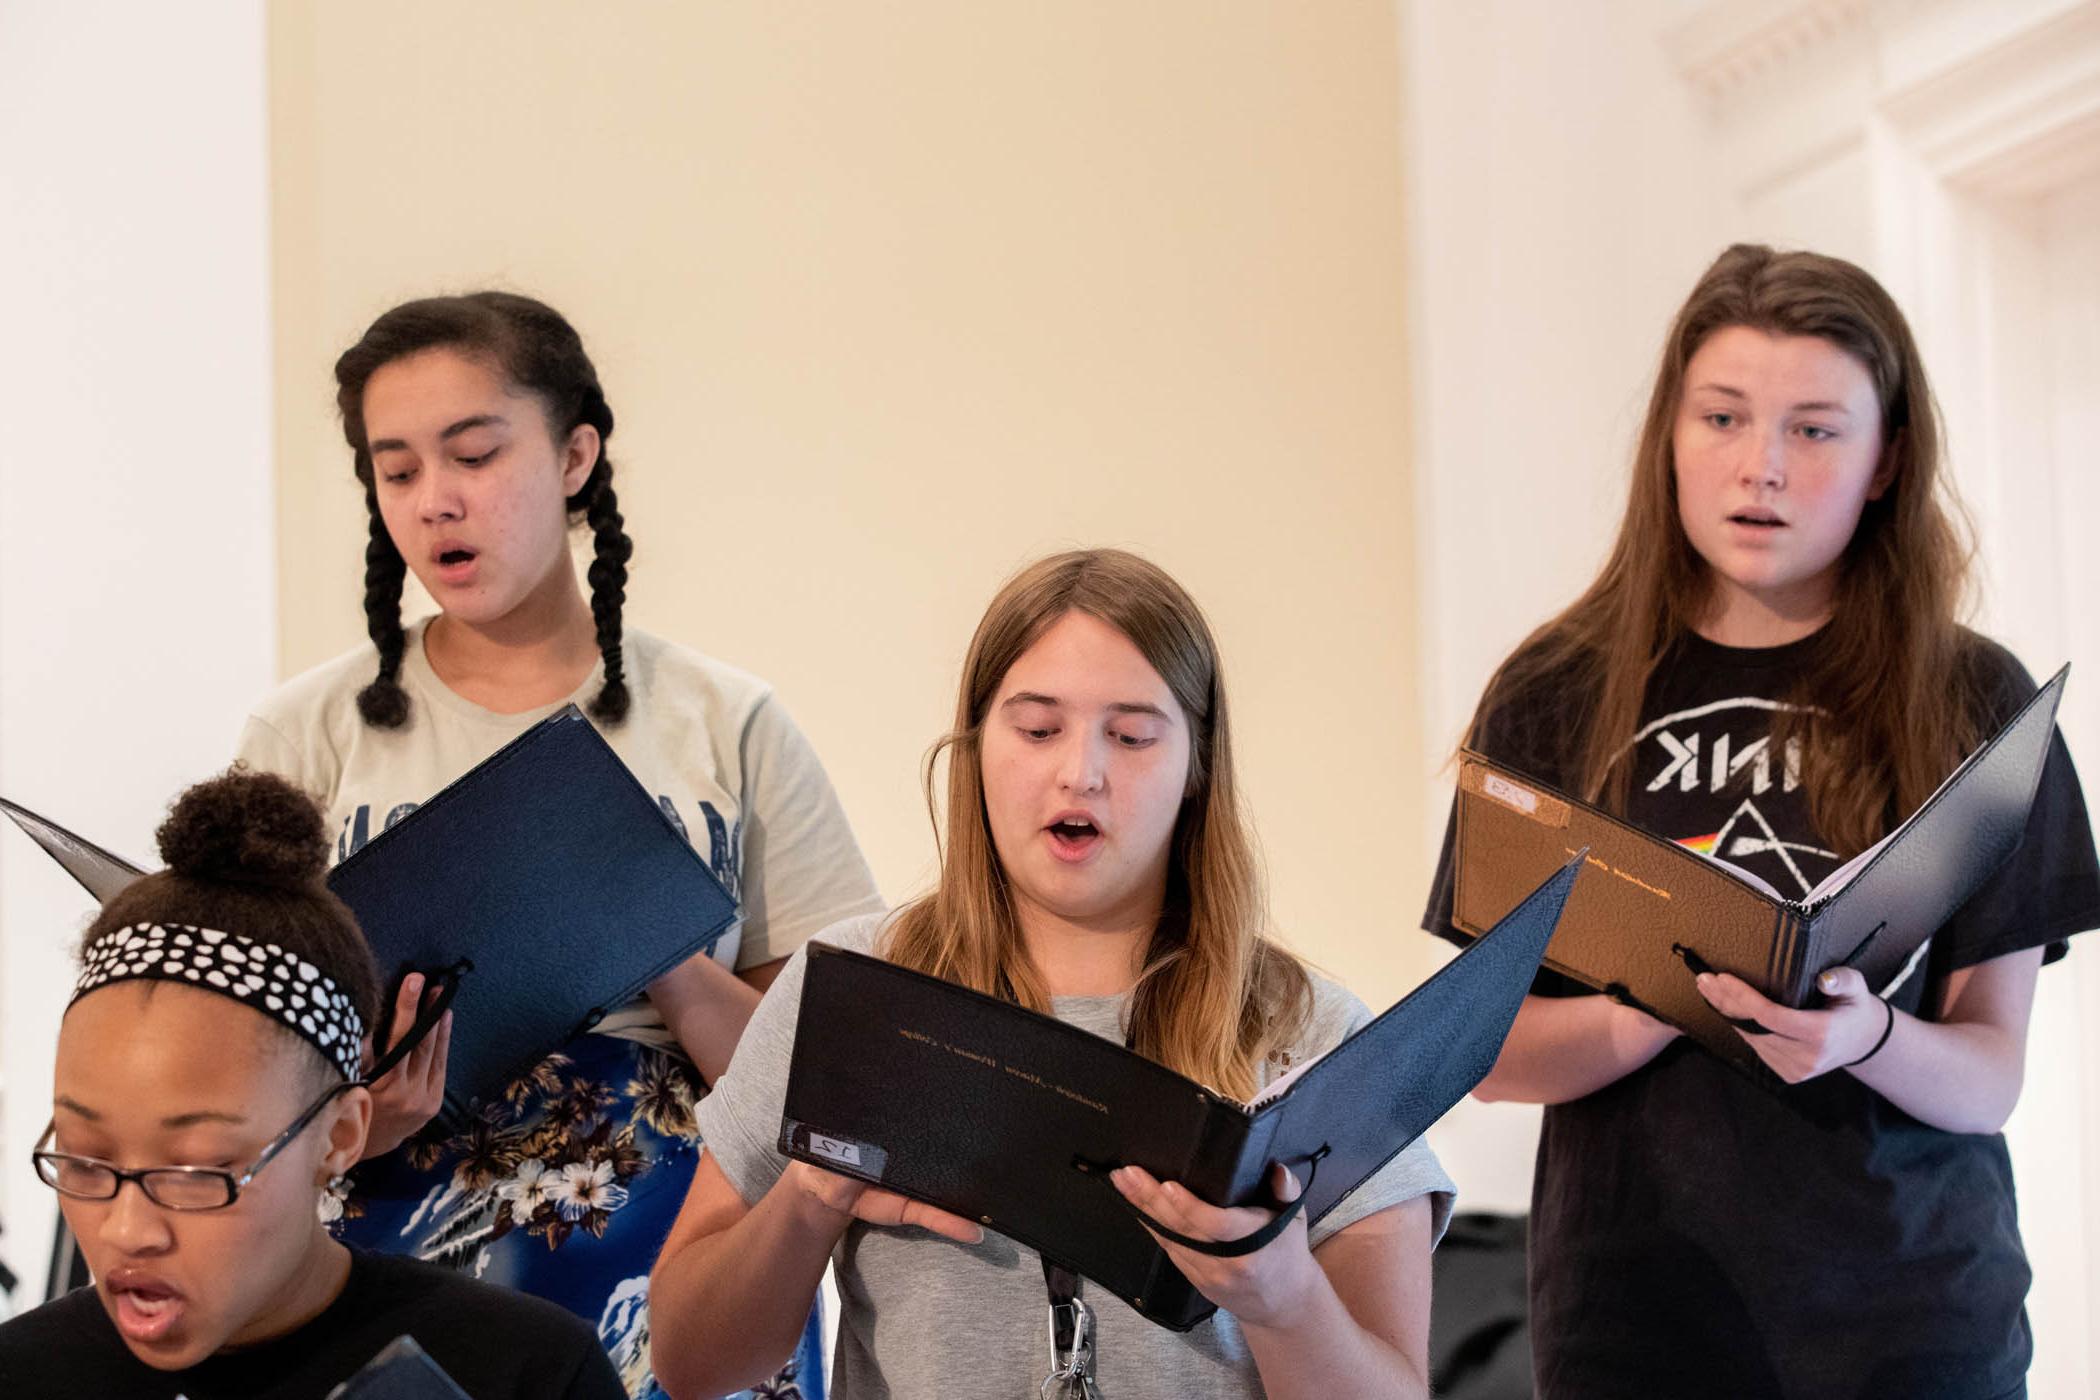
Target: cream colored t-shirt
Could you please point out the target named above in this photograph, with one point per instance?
(709, 742)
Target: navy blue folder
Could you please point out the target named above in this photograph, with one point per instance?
(546, 877)
(401, 1371)
(556, 876)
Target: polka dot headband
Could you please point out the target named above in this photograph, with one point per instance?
(279, 984)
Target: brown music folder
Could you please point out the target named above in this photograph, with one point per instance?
(1648, 913)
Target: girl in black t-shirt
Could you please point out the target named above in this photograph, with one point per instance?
(209, 1084)
(1769, 668)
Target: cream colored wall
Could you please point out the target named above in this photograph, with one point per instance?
(890, 300)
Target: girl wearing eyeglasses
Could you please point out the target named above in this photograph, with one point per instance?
(207, 1091)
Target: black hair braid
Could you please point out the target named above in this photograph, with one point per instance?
(383, 703)
(608, 575)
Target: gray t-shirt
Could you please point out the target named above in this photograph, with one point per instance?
(923, 1316)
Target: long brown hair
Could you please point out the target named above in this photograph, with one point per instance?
(1216, 997)
(1888, 703)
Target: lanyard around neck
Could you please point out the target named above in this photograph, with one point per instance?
(1071, 1337)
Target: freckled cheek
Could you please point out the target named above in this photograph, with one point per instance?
(1834, 502)
(1702, 478)
(1694, 496)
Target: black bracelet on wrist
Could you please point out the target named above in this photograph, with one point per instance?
(1890, 1008)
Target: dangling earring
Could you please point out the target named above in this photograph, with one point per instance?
(330, 1204)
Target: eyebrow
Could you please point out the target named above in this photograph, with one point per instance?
(1120, 707)
(206, 1115)
(178, 1120)
(464, 425)
(1812, 406)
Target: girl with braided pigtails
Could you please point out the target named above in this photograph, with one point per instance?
(478, 429)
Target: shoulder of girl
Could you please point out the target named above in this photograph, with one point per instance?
(1336, 1012)
(1521, 698)
(310, 719)
(670, 670)
(2001, 678)
(859, 933)
(337, 679)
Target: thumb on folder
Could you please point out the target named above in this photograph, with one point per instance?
(1801, 1045)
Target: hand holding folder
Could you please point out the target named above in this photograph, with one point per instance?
(998, 1114)
(1651, 914)
(540, 891)
(104, 875)
(552, 880)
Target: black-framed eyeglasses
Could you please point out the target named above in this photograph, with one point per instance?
(215, 1188)
(177, 1188)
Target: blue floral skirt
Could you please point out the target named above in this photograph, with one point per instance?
(565, 1188)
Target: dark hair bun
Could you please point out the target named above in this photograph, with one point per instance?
(245, 828)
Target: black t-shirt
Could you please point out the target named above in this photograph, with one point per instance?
(498, 1345)
(1697, 1234)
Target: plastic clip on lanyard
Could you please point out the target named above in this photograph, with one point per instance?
(1071, 1338)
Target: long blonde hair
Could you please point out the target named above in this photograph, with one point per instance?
(1896, 703)
(1216, 996)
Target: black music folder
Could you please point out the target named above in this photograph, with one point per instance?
(546, 877)
(1012, 1118)
(1653, 912)
(99, 872)
(401, 1371)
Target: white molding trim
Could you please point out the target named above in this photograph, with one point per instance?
(1726, 45)
(2020, 118)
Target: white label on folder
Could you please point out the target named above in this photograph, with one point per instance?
(847, 1153)
(1503, 790)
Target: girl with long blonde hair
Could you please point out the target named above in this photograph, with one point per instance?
(1096, 867)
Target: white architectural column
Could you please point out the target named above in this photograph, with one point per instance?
(137, 568)
(1575, 167)
(1954, 149)
(1563, 197)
